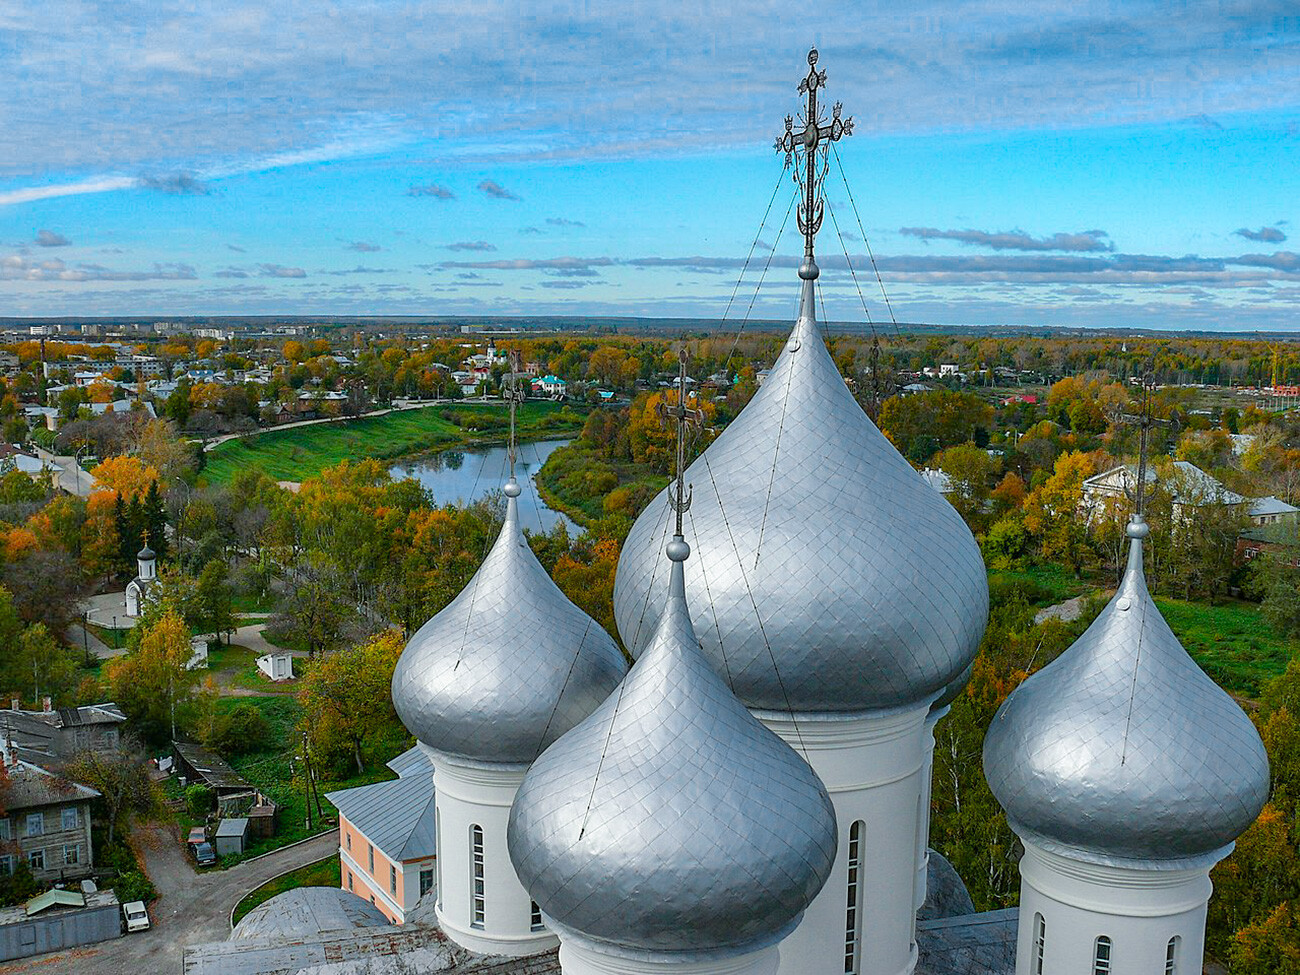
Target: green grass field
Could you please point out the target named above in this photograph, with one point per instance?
(324, 873)
(299, 452)
(1232, 642)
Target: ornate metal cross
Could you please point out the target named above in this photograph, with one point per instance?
(516, 393)
(802, 146)
(680, 498)
(1144, 421)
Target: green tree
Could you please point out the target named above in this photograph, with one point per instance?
(122, 780)
(971, 471)
(213, 600)
(154, 520)
(346, 697)
(949, 418)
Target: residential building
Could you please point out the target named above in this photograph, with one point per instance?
(1272, 511)
(46, 823)
(387, 845)
(60, 733)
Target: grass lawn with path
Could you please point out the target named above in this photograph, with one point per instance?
(299, 452)
(326, 873)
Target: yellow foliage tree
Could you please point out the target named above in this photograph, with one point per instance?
(124, 475)
(1052, 511)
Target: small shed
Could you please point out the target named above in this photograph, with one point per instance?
(231, 836)
(198, 653)
(277, 666)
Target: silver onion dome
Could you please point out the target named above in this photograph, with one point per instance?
(509, 665)
(671, 819)
(833, 578)
(1122, 748)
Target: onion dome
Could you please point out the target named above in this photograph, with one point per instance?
(953, 690)
(671, 820)
(835, 578)
(1122, 748)
(507, 666)
(145, 554)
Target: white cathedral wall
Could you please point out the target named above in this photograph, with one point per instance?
(468, 795)
(579, 956)
(872, 765)
(923, 812)
(1139, 910)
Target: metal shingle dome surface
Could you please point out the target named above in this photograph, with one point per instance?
(1122, 748)
(671, 820)
(868, 588)
(507, 666)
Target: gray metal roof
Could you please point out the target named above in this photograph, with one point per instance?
(413, 760)
(867, 585)
(671, 819)
(509, 665)
(308, 911)
(972, 944)
(396, 816)
(1122, 748)
(232, 827)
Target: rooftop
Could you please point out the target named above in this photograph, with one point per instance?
(397, 815)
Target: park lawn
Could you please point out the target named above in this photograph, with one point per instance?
(236, 666)
(323, 873)
(299, 452)
(1232, 642)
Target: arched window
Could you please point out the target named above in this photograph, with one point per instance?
(1101, 956)
(1040, 942)
(853, 915)
(1171, 956)
(476, 899)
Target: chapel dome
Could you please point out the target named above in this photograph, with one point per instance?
(507, 666)
(1122, 748)
(832, 577)
(671, 820)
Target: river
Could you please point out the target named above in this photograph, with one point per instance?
(463, 475)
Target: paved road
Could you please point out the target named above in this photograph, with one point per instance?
(71, 478)
(79, 636)
(192, 909)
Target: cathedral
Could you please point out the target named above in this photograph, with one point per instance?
(751, 797)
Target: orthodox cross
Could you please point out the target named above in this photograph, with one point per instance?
(802, 146)
(516, 393)
(1144, 421)
(679, 499)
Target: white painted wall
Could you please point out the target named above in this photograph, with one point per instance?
(873, 765)
(466, 794)
(1138, 909)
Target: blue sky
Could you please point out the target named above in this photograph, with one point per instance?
(1096, 164)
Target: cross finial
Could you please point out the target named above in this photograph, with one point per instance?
(515, 394)
(679, 498)
(801, 152)
(1144, 421)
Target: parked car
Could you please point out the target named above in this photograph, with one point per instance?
(136, 916)
(204, 854)
(197, 835)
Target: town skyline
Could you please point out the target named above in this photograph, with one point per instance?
(1097, 167)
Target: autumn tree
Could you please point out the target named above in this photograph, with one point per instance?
(152, 684)
(923, 424)
(1053, 512)
(128, 476)
(346, 698)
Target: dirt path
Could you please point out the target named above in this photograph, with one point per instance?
(191, 909)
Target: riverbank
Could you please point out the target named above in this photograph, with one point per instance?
(297, 453)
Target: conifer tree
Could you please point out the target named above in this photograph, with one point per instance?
(155, 521)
